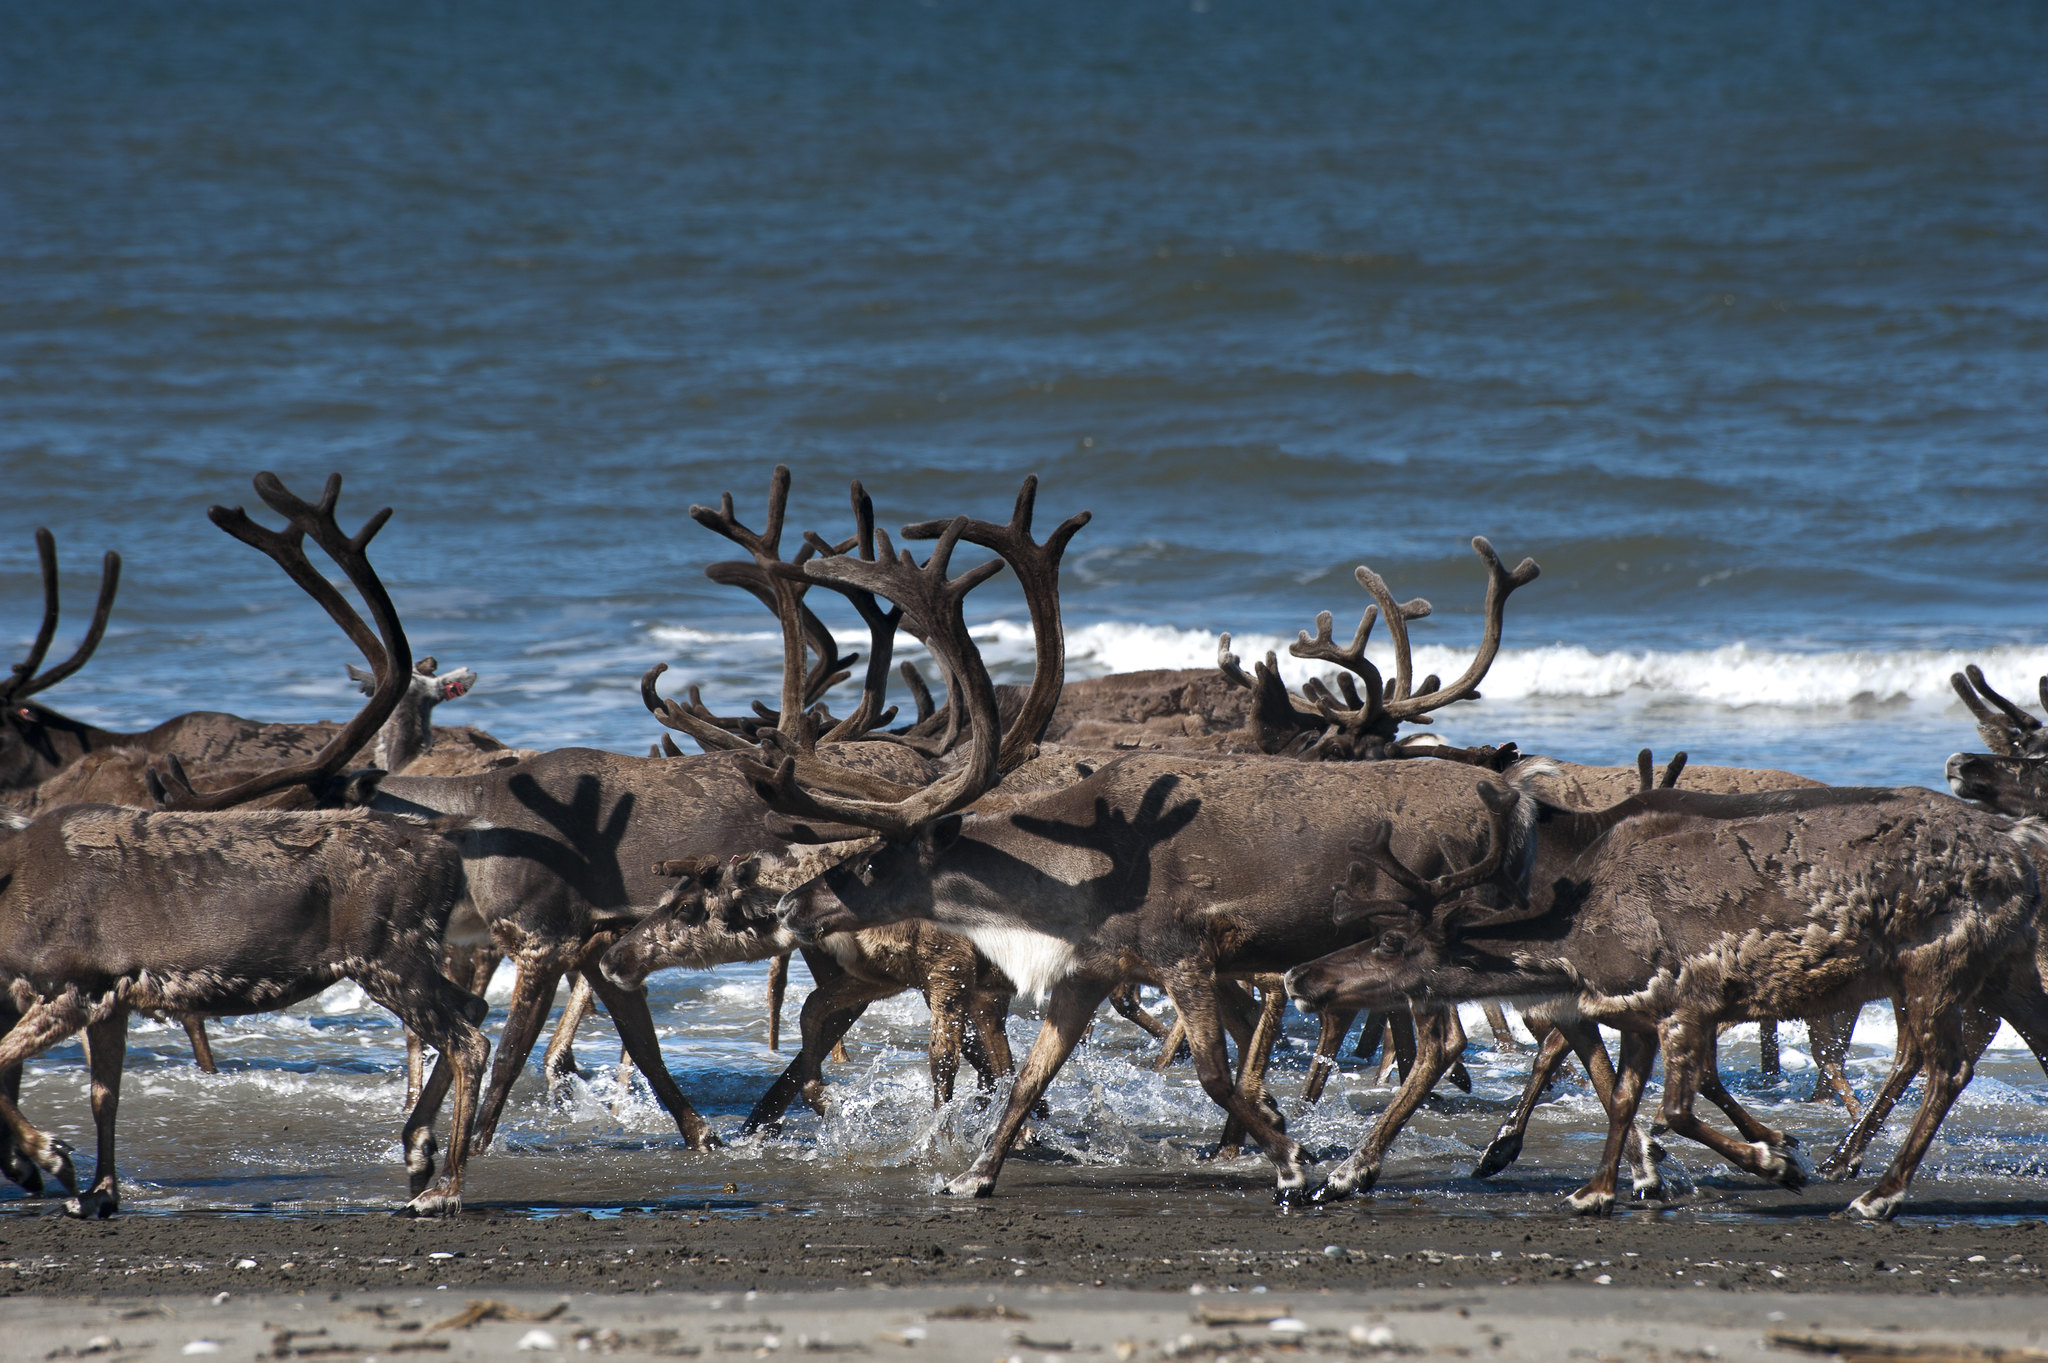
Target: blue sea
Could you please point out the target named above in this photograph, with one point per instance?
(1735, 319)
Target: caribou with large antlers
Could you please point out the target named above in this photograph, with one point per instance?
(212, 910)
(1167, 870)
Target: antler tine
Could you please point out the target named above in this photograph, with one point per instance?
(1671, 771)
(26, 682)
(1646, 767)
(869, 714)
(1323, 648)
(766, 548)
(1500, 584)
(1230, 665)
(110, 583)
(926, 593)
(1398, 615)
(1037, 566)
(1379, 850)
(710, 736)
(389, 654)
(1499, 804)
(920, 692)
(46, 552)
(831, 666)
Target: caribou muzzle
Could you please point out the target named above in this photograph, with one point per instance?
(812, 913)
(1341, 980)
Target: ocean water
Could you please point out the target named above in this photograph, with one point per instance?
(1736, 321)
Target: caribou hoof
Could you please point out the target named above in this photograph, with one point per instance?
(95, 1204)
(1590, 1201)
(439, 1202)
(970, 1184)
(1503, 1150)
(23, 1172)
(56, 1162)
(1784, 1165)
(1296, 1185)
(1347, 1181)
(1871, 1207)
(1838, 1169)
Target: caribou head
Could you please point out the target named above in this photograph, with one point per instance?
(1418, 924)
(2013, 777)
(35, 741)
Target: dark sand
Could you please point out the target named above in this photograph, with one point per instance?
(1051, 1225)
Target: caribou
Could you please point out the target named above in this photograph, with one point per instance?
(208, 908)
(1162, 869)
(1674, 911)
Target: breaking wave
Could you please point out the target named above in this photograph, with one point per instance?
(1735, 676)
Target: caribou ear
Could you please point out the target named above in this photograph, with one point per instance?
(944, 833)
(357, 788)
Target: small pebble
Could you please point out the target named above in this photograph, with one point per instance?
(538, 1341)
(1604, 1279)
(220, 1299)
(1333, 1251)
(200, 1346)
(245, 1263)
(1288, 1325)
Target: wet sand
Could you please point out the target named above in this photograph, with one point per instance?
(1055, 1225)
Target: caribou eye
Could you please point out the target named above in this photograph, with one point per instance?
(1393, 944)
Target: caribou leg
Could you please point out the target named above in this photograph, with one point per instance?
(446, 1018)
(1497, 1021)
(988, 1014)
(1932, 1015)
(1334, 1025)
(1196, 998)
(1689, 1052)
(1506, 1146)
(16, 1165)
(202, 1049)
(46, 1023)
(1067, 1014)
(628, 1009)
(829, 1011)
(1440, 1039)
(107, 1049)
(1124, 998)
(778, 990)
(1979, 1026)
(1828, 1036)
(558, 1063)
(538, 974)
(1254, 1057)
(1638, 1054)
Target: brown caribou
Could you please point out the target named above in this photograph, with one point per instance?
(565, 862)
(210, 909)
(48, 759)
(1674, 911)
(1167, 870)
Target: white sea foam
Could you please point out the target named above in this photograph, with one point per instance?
(1734, 676)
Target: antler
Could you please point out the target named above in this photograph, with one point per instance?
(1500, 584)
(2006, 728)
(766, 547)
(25, 682)
(1037, 567)
(1378, 849)
(389, 655)
(882, 624)
(926, 593)
(1646, 769)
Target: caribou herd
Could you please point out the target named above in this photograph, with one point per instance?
(1216, 836)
